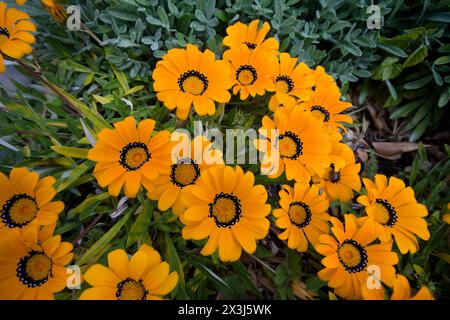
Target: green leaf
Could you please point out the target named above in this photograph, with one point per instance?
(437, 77)
(406, 109)
(338, 26)
(122, 77)
(96, 119)
(415, 167)
(87, 204)
(420, 129)
(71, 152)
(353, 49)
(444, 97)
(417, 84)
(163, 17)
(140, 226)
(388, 69)
(392, 90)
(73, 176)
(279, 9)
(444, 48)
(174, 260)
(314, 284)
(104, 240)
(133, 90)
(244, 276)
(393, 50)
(72, 65)
(122, 14)
(439, 17)
(416, 57)
(442, 60)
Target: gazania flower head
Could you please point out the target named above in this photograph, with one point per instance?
(349, 254)
(326, 105)
(33, 265)
(15, 34)
(301, 148)
(342, 177)
(251, 36)
(227, 208)
(292, 81)
(143, 277)
(186, 77)
(303, 215)
(129, 156)
(185, 171)
(395, 212)
(25, 198)
(401, 290)
(252, 70)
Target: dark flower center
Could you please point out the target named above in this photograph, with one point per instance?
(134, 155)
(184, 173)
(34, 269)
(246, 75)
(19, 211)
(225, 209)
(193, 82)
(352, 256)
(299, 214)
(130, 289)
(290, 146)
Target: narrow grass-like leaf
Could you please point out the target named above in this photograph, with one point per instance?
(140, 226)
(174, 259)
(71, 152)
(104, 240)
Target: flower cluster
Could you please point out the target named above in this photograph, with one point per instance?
(219, 206)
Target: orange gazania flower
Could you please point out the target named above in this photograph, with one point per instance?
(33, 265)
(226, 207)
(303, 215)
(342, 177)
(293, 81)
(251, 36)
(129, 156)
(186, 77)
(253, 71)
(25, 198)
(395, 212)
(401, 290)
(15, 34)
(301, 148)
(326, 105)
(349, 253)
(141, 277)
